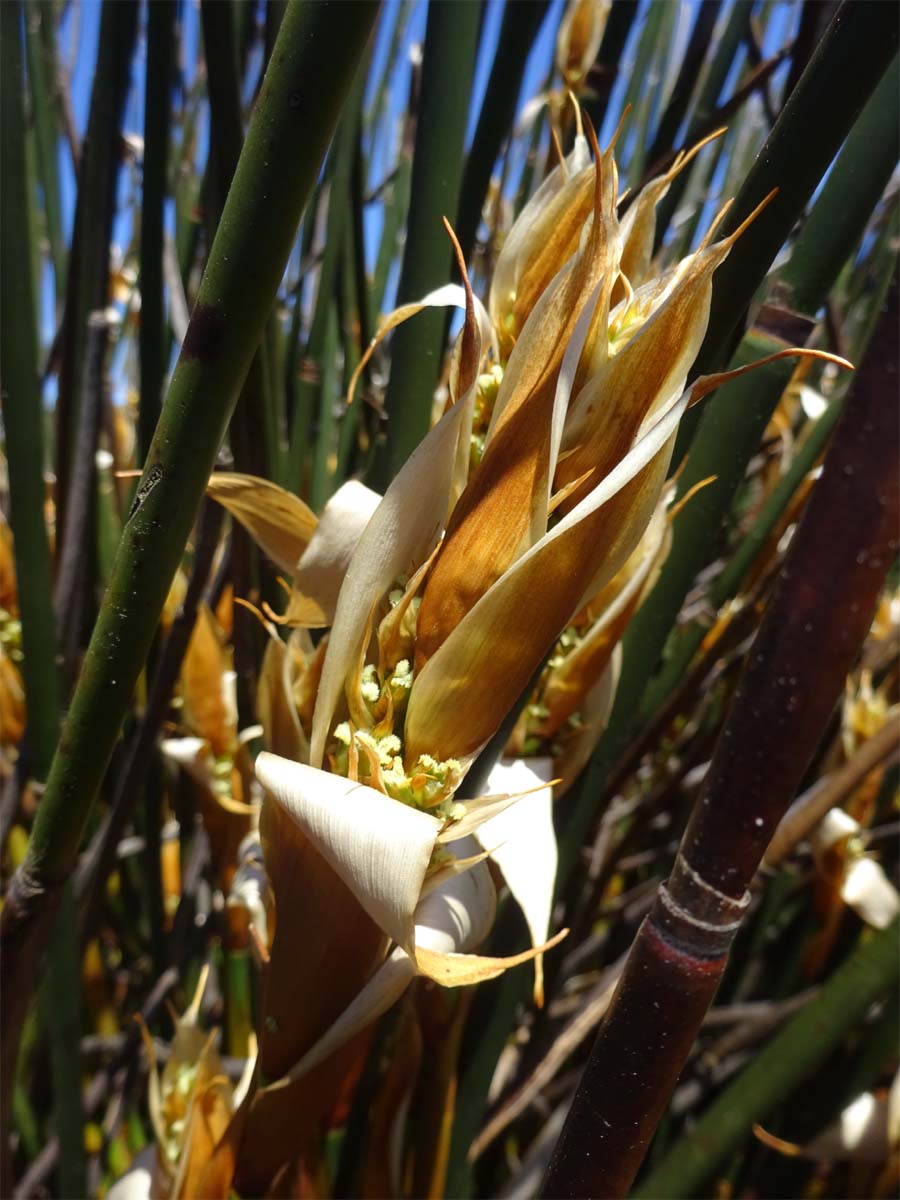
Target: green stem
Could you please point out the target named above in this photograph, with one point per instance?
(450, 43)
(23, 421)
(710, 89)
(521, 22)
(396, 206)
(239, 1007)
(354, 294)
(310, 385)
(41, 76)
(653, 45)
(23, 418)
(320, 486)
(679, 101)
(157, 121)
(858, 48)
(61, 1003)
(318, 48)
(381, 92)
(606, 67)
(790, 1058)
(87, 282)
(854, 187)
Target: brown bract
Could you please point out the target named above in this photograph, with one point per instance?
(504, 508)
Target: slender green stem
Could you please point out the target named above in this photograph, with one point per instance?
(685, 85)
(157, 121)
(449, 58)
(41, 76)
(252, 412)
(23, 419)
(727, 47)
(653, 45)
(521, 22)
(304, 249)
(309, 387)
(23, 422)
(87, 282)
(796, 1052)
(606, 68)
(318, 48)
(854, 187)
(353, 296)
(320, 487)
(859, 46)
(61, 1004)
(396, 206)
(381, 92)
(86, 331)
(239, 1008)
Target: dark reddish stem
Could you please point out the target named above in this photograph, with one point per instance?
(818, 617)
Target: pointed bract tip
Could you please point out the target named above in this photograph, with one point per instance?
(714, 225)
(471, 324)
(618, 130)
(748, 221)
(458, 254)
(688, 496)
(591, 135)
(684, 157)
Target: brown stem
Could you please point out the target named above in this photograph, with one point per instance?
(818, 617)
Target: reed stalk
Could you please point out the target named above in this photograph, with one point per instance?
(315, 56)
(703, 116)
(606, 68)
(794, 675)
(521, 21)
(23, 425)
(23, 420)
(858, 48)
(451, 38)
(802, 1046)
(157, 121)
(309, 390)
(39, 41)
(676, 110)
(87, 281)
(86, 331)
